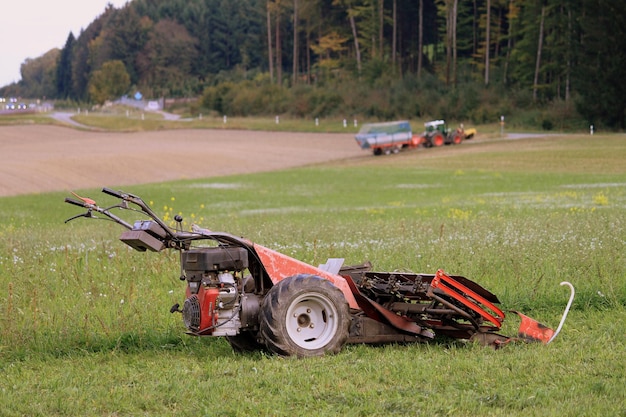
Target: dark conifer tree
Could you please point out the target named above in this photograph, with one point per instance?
(64, 69)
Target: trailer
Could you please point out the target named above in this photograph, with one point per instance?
(387, 138)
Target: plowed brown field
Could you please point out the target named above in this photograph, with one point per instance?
(36, 159)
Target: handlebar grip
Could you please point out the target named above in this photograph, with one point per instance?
(75, 202)
(112, 192)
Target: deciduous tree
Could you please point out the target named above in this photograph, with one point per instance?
(166, 60)
(109, 82)
(38, 75)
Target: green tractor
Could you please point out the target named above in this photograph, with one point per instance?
(438, 134)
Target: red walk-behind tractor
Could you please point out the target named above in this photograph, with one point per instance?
(262, 299)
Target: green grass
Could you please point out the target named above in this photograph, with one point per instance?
(116, 119)
(124, 119)
(85, 327)
(141, 121)
(27, 119)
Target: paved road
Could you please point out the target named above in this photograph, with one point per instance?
(66, 117)
(514, 136)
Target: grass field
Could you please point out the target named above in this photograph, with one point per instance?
(123, 119)
(85, 327)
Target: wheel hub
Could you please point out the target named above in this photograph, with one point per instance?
(311, 321)
(304, 320)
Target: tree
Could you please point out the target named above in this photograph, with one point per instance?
(311, 14)
(328, 50)
(548, 48)
(523, 59)
(109, 82)
(270, 54)
(123, 37)
(449, 9)
(599, 72)
(277, 39)
(64, 69)
(539, 49)
(487, 41)
(38, 75)
(381, 28)
(351, 14)
(394, 32)
(420, 42)
(165, 62)
(83, 59)
(235, 29)
(453, 19)
(295, 42)
(512, 18)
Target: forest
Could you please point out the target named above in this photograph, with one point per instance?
(562, 62)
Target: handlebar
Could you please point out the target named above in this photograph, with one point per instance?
(126, 198)
(170, 237)
(92, 206)
(75, 202)
(113, 193)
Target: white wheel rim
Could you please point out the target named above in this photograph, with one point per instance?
(311, 321)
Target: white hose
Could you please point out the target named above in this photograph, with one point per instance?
(569, 304)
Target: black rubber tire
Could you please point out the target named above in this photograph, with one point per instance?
(437, 139)
(304, 315)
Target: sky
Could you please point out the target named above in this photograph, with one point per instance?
(30, 28)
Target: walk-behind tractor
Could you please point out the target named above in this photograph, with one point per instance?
(262, 299)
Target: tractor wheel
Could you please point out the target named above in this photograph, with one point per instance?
(304, 315)
(437, 139)
(244, 342)
(457, 138)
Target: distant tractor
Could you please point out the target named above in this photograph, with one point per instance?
(392, 137)
(437, 133)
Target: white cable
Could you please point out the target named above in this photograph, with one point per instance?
(569, 304)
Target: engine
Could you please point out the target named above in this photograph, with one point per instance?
(217, 303)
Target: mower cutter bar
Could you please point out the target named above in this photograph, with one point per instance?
(467, 297)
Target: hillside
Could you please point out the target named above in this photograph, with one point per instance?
(384, 59)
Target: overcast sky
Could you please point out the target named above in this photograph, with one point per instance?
(30, 28)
